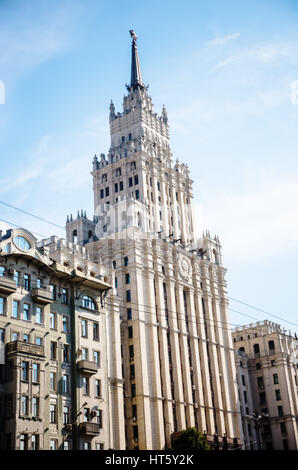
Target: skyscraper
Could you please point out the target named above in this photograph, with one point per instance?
(177, 352)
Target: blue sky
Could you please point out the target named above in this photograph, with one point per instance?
(224, 71)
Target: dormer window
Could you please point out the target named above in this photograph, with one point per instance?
(22, 243)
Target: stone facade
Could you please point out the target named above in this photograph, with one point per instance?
(177, 351)
(267, 357)
(59, 324)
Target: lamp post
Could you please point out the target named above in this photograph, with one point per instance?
(258, 422)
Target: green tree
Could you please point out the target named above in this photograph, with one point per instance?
(190, 438)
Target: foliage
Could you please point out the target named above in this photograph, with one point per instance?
(191, 438)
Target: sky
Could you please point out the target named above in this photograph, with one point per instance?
(225, 71)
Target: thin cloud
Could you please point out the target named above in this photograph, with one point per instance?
(220, 41)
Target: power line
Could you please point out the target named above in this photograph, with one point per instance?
(31, 215)
(263, 311)
(18, 226)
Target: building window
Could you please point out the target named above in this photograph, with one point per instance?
(16, 277)
(273, 363)
(53, 444)
(97, 388)
(107, 191)
(129, 315)
(136, 179)
(65, 414)
(26, 338)
(121, 186)
(34, 442)
(53, 381)
(2, 303)
(15, 309)
(262, 398)
(260, 381)
(283, 429)
(99, 446)
(52, 413)
(65, 383)
(243, 380)
(26, 312)
(85, 381)
(132, 371)
(133, 390)
(53, 291)
(125, 259)
(35, 407)
(84, 354)
(280, 411)
(96, 331)
(23, 441)
(131, 352)
(38, 341)
(101, 194)
(258, 365)
(38, 315)
(135, 433)
(65, 296)
(53, 321)
(86, 415)
(35, 373)
(285, 444)
(65, 445)
(25, 371)
(128, 296)
(2, 334)
(130, 332)
(99, 416)
(38, 283)
(53, 350)
(137, 194)
(66, 349)
(65, 324)
(277, 395)
(271, 346)
(130, 182)
(86, 445)
(84, 328)
(275, 379)
(87, 302)
(24, 405)
(96, 357)
(14, 336)
(245, 396)
(127, 278)
(26, 281)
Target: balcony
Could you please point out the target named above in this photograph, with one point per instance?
(42, 296)
(89, 429)
(87, 367)
(20, 347)
(7, 285)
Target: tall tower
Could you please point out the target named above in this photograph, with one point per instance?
(177, 352)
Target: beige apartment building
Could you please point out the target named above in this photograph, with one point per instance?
(266, 362)
(60, 384)
(177, 351)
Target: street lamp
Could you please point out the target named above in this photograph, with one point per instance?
(258, 422)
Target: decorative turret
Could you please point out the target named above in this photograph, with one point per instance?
(112, 111)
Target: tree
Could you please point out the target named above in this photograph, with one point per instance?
(190, 438)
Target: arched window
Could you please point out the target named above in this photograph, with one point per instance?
(74, 236)
(242, 349)
(87, 302)
(271, 345)
(256, 348)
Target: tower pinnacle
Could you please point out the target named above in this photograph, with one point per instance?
(136, 76)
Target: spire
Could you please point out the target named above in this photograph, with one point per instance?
(136, 77)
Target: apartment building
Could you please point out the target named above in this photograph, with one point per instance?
(266, 363)
(61, 386)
